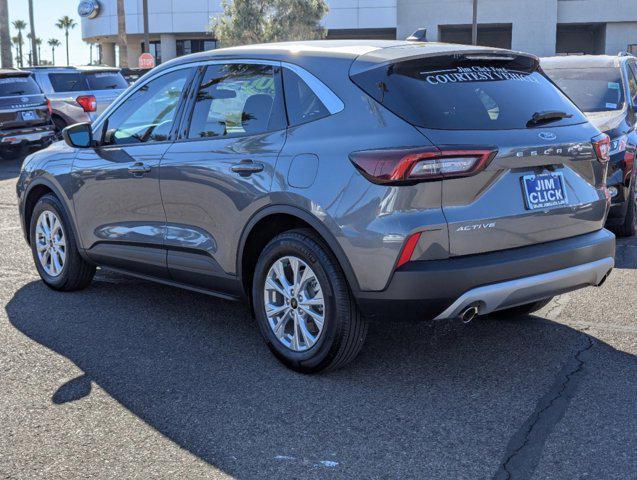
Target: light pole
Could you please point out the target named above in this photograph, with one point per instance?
(474, 25)
(146, 48)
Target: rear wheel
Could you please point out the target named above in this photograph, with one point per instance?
(629, 227)
(522, 310)
(54, 248)
(303, 304)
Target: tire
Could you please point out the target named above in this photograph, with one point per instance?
(343, 330)
(629, 227)
(59, 125)
(522, 310)
(75, 272)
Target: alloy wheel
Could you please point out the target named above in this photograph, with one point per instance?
(50, 243)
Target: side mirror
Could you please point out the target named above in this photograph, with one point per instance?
(79, 135)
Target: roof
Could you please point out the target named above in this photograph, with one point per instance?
(583, 61)
(12, 72)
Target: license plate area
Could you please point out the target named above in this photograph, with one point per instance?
(29, 115)
(546, 190)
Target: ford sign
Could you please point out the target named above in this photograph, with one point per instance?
(88, 8)
(547, 135)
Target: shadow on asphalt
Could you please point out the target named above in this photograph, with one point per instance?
(437, 400)
(10, 168)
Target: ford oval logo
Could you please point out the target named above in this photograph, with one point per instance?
(88, 8)
(24, 99)
(547, 135)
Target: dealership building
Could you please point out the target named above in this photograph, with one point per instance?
(542, 27)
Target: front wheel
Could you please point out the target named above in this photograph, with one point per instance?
(303, 304)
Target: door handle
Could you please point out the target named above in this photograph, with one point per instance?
(247, 167)
(138, 168)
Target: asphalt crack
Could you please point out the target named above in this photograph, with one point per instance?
(526, 445)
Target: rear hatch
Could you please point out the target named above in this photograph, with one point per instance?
(543, 180)
(22, 104)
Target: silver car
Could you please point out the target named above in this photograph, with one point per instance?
(327, 184)
(79, 94)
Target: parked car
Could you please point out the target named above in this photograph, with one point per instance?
(329, 183)
(25, 114)
(79, 94)
(131, 75)
(605, 89)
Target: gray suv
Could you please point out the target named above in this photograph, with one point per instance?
(79, 94)
(331, 183)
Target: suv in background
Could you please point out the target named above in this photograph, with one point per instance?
(25, 114)
(604, 87)
(79, 94)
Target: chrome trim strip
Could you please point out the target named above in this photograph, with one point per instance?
(529, 289)
(331, 101)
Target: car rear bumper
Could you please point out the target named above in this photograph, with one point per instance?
(37, 136)
(492, 281)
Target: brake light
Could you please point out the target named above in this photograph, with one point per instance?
(408, 249)
(87, 102)
(406, 166)
(49, 107)
(601, 144)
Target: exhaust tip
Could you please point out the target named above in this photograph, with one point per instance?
(468, 314)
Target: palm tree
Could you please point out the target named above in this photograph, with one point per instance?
(38, 42)
(15, 41)
(121, 34)
(5, 35)
(53, 43)
(34, 42)
(66, 23)
(20, 25)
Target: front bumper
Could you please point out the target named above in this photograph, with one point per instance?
(492, 281)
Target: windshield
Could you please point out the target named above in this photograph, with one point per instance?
(592, 89)
(12, 86)
(106, 81)
(465, 94)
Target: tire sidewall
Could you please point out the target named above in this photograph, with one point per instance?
(311, 253)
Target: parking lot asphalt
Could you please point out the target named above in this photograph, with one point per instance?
(130, 379)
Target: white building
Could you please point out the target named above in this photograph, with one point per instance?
(543, 27)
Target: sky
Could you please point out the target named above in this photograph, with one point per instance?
(46, 13)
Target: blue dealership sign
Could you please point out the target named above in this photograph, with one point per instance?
(88, 8)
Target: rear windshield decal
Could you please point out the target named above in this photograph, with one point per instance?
(613, 86)
(475, 74)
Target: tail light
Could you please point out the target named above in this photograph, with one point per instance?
(49, 107)
(601, 144)
(407, 166)
(87, 102)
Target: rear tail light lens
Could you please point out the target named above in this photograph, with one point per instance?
(49, 107)
(601, 144)
(408, 249)
(405, 166)
(87, 102)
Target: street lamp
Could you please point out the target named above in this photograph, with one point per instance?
(474, 25)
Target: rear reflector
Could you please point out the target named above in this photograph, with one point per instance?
(601, 144)
(408, 249)
(87, 102)
(412, 165)
(49, 107)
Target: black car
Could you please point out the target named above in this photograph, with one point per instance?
(604, 87)
(25, 114)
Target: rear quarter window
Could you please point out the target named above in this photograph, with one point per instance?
(460, 94)
(13, 86)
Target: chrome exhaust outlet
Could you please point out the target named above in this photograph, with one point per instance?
(468, 314)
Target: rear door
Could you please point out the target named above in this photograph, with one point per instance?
(544, 181)
(220, 171)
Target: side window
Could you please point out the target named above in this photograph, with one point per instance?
(301, 102)
(68, 82)
(236, 100)
(148, 114)
(632, 81)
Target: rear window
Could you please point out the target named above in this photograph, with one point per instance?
(467, 94)
(105, 81)
(592, 89)
(12, 86)
(68, 82)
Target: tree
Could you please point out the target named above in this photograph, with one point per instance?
(20, 25)
(122, 42)
(258, 21)
(34, 51)
(38, 43)
(5, 36)
(15, 41)
(66, 23)
(53, 43)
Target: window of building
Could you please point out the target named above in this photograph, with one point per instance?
(186, 47)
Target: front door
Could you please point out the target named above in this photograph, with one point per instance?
(117, 200)
(212, 179)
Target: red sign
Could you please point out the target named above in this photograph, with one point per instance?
(146, 61)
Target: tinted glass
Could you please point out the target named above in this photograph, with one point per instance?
(462, 94)
(148, 114)
(68, 82)
(592, 89)
(18, 86)
(236, 100)
(632, 81)
(301, 102)
(105, 81)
